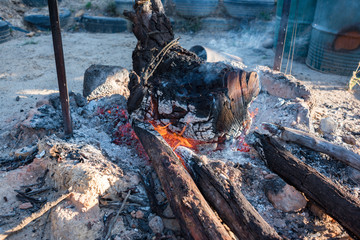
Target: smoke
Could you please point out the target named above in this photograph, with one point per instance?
(246, 43)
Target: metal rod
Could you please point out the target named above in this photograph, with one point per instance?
(282, 35)
(60, 64)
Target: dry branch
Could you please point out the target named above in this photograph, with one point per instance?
(317, 144)
(228, 201)
(113, 221)
(197, 220)
(34, 216)
(336, 202)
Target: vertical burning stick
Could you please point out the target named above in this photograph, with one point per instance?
(60, 64)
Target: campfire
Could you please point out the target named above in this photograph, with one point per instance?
(185, 155)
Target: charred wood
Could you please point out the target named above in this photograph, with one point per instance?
(317, 144)
(197, 220)
(336, 202)
(228, 201)
(172, 86)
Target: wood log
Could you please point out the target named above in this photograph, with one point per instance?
(196, 218)
(317, 144)
(172, 86)
(336, 202)
(227, 200)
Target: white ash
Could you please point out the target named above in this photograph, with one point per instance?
(165, 106)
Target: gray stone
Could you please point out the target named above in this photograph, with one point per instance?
(328, 125)
(168, 213)
(281, 85)
(101, 81)
(80, 100)
(349, 140)
(283, 196)
(156, 224)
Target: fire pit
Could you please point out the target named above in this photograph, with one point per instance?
(180, 107)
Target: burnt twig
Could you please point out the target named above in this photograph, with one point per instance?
(34, 216)
(116, 217)
(149, 186)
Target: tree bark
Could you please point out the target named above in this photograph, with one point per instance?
(317, 144)
(228, 201)
(336, 202)
(196, 218)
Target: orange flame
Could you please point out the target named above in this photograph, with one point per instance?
(174, 139)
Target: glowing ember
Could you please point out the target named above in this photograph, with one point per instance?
(123, 134)
(241, 145)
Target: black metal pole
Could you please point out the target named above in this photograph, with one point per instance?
(60, 64)
(281, 35)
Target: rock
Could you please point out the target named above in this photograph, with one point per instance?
(280, 223)
(268, 43)
(303, 114)
(139, 214)
(168, 213)
(160, 197)
(101, 81)
(25, 151)
(283, 196)
(270, 176)
(80, 100)
(328, 125)
(156, 224)
(26, 205)
(282, 86)
(349, 140)
(17, 98)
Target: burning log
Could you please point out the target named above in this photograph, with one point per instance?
(197, 219)
(317, 144)
(228, 201)
(172, 86)
(336, 202)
